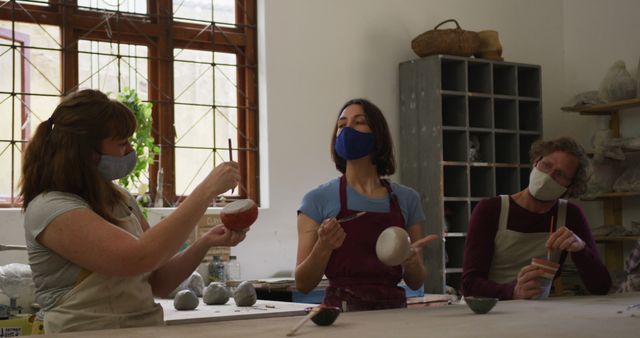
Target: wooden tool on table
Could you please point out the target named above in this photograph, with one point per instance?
(230, 157)
(550, 233)
(12, 247)
(306, 318)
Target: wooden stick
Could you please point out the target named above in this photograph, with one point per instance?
(310, 315)
(230, 158)
(550, 233)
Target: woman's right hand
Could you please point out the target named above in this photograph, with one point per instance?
(330, 234)
(223, 177)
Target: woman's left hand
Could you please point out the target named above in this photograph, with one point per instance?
(565, 239)
(416, 250)
(220, 235)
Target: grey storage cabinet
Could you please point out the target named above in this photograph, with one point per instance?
(466, 126)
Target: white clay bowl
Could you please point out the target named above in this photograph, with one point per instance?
(393, 246)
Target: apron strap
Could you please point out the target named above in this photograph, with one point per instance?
(504, 212)
(562, 213)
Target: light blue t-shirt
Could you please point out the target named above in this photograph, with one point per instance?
(324, 202)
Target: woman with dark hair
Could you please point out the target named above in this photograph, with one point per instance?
(506, 232)
(96, 263)
(362, 150)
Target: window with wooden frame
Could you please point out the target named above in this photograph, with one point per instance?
(195, 61)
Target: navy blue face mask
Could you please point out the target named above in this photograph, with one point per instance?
(352, 144)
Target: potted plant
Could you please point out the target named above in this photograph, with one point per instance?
(142, 142)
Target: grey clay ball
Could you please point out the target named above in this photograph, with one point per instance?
(215, 294)
(245, 294)
(185, 300)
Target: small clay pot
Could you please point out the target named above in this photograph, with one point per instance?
(490, 47)
(480, 305)
(393, 246)
(326, 316)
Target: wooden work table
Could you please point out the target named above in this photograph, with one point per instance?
(584, 317)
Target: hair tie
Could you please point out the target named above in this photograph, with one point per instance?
(50, 121)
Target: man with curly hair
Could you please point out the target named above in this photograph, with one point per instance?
(506, 232)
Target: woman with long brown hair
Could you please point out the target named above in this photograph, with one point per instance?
(96, 262)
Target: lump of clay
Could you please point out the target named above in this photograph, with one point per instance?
(185, 300)
(195, 283)
(245, 294)
(215, 294)
(239, 215)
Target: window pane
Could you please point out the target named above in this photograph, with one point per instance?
(131, 6)
(29, 91)
(218, 11)
(99, 67)
(206, 113)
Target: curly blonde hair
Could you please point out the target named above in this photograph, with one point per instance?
(568, 145)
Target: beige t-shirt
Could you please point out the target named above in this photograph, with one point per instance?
(53, 275)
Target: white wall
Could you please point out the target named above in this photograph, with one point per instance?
(315, 55)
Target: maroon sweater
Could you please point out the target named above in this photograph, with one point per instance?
(479, 247)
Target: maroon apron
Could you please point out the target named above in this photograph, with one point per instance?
(357, 278)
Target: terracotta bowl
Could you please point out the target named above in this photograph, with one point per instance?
(326, 316)
(480, 305)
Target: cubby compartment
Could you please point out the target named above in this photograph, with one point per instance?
(453, 75)
(528, 81)
(480, 112)
(530, 115)
(479, 77)
(525, 145)
(481, 181)
(454, 278)
(506, 148)
(480, 146)
(507, 182)
(456, 216)
(455, 181)
(454, 111)
(473, 206)
(504, 79)
(454, 247)
(505, 114)
(524, 177)
(454, 145)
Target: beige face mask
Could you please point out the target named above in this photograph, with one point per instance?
(543, 187)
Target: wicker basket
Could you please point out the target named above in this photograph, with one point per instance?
(446, 41)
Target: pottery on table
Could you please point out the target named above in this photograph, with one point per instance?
(480, 305)
(326, 316)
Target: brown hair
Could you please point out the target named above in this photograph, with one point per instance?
(382, 155)
(568, 145)
(61, 154)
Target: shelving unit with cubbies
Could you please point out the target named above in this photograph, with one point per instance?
(466, 128)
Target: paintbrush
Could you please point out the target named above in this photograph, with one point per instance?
(352, 217)
(230, 158)
(306, 318)
(550, 233)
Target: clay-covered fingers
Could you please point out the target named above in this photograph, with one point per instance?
(527, 285)
(331, 234)
(423, 241)
(529, 272)
(236, 237)
(565, 239)
(224, 176)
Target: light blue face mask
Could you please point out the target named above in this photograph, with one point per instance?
(115, 167)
